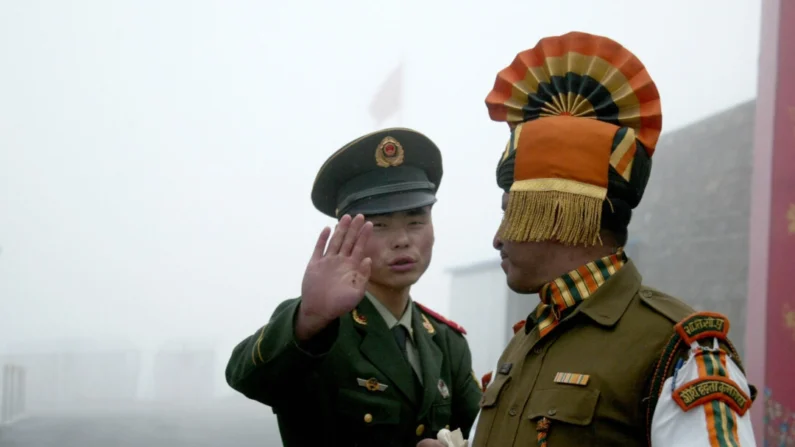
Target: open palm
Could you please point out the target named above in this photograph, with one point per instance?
(335, 279)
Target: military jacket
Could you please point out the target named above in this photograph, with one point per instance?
(589, 378)
(350, 385)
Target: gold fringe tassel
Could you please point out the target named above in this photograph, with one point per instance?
(571, 219)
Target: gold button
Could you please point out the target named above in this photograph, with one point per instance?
(420, 430)
(368, 418)
(552, 412)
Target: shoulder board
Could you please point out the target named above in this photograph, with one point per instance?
(518, 326)
(668, 306)
(452, 324)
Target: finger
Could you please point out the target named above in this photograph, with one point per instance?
(361, 240)
(339, 235)
(351, 235)
(320, 245)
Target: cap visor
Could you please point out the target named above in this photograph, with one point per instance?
(391, 203)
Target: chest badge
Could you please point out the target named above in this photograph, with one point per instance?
(359, 318)
(443, 389)
(427, 325)
(572, 378)
(372, 384)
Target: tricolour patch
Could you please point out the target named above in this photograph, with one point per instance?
(677, 348)
(453, 325)
(706, 389)
(572, 378)
(702, 325)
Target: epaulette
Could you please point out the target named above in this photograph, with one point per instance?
(452, 324)
(697, 327)
(518, 326)
(667, 306)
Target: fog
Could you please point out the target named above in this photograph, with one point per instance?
(156, 160)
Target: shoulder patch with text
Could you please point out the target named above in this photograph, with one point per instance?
(702, 325)
(706, 389)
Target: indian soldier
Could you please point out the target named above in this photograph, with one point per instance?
(603, 359)
(355, 361)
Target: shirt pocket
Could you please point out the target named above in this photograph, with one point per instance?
(570, 411)
(440, 415)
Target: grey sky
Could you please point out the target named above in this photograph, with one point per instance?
(156, 158)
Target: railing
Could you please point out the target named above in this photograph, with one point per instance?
(12, 394)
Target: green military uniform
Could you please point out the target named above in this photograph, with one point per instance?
(350, 385)
(588, 366)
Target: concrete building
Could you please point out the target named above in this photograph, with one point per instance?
(69, 379)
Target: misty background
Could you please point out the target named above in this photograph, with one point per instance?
(156, 160)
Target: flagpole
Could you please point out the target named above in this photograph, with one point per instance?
(402, 62)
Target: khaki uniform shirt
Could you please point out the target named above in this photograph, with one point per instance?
(589, 376)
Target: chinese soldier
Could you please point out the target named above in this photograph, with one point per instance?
(603, 359)
(355, 361)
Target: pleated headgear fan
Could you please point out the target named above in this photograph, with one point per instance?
(585, 117)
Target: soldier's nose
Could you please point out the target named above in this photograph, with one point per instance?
(496, 242)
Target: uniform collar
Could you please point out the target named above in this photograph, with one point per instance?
(389, 319)
(608, 304)
(561, 296)
(600, 289)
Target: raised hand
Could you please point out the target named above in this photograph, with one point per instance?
(335, 279)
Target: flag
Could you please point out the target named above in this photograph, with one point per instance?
(389, 99)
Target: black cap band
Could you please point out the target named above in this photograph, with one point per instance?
(385, 191)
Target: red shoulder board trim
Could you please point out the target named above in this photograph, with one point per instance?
(519, 325)
(485, 381)
(702, 325)
(455, 326)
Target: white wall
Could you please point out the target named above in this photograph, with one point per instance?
(478, 299)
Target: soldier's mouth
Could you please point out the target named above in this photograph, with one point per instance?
(402, 264)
